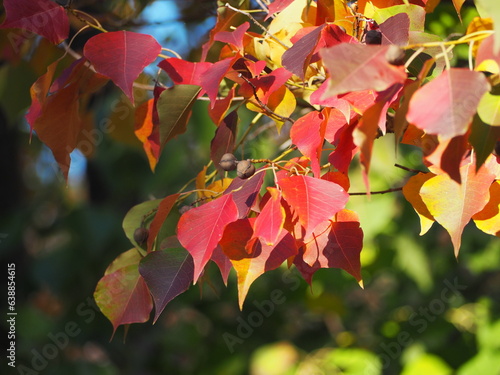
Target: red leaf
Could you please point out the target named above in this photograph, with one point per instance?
(221, 106)
(222, 262)
(342, 156)
(308, 134)
(234, 37)
(245, 193)
(213, 76)
(167, 273)
(223, 141)
(356, 67)
(201, 228)
(121, 294)
(183, 72)
(43, 17)
(334, 244)
(251, 258)
(448, 156)
(161, 215)
(313, 200)
(269, 223)
(445, 106)
(122, 56)
(266, 85)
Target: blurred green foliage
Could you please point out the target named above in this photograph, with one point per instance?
(407, 319)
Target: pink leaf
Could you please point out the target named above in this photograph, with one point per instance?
(356, 67)
(122, 56)
(269, 223)
(200, 229)
(234, 37)
(446, 105)
(396, 30)
(278, 6)
(43, 17)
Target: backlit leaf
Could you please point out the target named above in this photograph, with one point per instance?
(451, 204)
(245, 192)
(201, 228)
(313, 200)
(269, 223)
(488, 219)
(223, 141)
(122, 56)
(356, 67)
(183, 72)
(42, 17)
(121, 294)
(446, 105)
(161, 214)
(308, 134)
(411, 192)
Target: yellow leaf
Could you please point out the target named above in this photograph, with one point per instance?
(488, 220)
(411, 191)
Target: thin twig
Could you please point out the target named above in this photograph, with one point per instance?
(378, 192)
(258, 24)
(408, 169)
(264, 106)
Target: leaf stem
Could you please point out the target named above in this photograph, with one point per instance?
(258, 24)
(378, 192)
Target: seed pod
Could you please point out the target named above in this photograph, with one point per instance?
(395, 55)
(373, 37)
(245, 169)
(141, 235)
(228, 162)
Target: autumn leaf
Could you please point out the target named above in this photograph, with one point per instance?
(245, 192)
(451, 204)
(253, 258)
(308, 134)
(42, 17)
(224, 139)
(174, 109)
(269, 224)
(223, 263)
(121, 294)
(488, 219)
(168, 273)
(122, 56)
(335, 243)
(200, 229)
(446, 105)
(234, 37)
(183, 72)
(356, 67)
(162, 212)
(411, 191)
(313, 200)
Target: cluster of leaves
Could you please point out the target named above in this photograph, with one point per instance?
(342, 75)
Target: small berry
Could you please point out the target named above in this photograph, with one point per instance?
(373, 37)
(395, 55)
(141, 235)
(245, 169)
(228, 162)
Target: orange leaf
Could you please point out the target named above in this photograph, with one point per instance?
(488, 219)
(411, 191)
(453, 204)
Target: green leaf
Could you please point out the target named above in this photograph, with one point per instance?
(489, 109)
(483, 138)
(174, 109)
(138, 216)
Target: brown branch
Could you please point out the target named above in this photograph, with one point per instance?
(264, 106)
(378, 192)
(408, 169)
